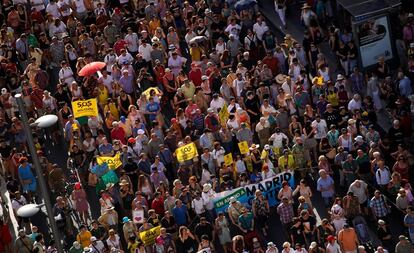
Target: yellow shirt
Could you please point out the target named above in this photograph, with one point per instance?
(195, 53)
(230, 79)
(103, 96)
(153, 25)
(84, 238)
(333, 99)
(112, 108)
(282, 162)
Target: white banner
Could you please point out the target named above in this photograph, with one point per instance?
(374, 41)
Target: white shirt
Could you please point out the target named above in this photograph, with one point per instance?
(38, 4)
(145, 51)
(53, 9)
(208, 198)
(65, 3)
(233, 108)
(233, 124)
(220, 48)
(98, 248)
(238, 84)
(354, 105)
(114, 243)
(90, 145)
(321, 128)
(277, 139)
(132, 40)
(359, 192)
(219, 155)
(16, 204)
(301, 251)
(233, 29)
(125, 58)
(217, 104)
(110, 60)
(269, 109)
(80, 6)
(57, 30)
(16, 2)
(289, 88)
(260, 29)
(198, 205)
(66, 74)
(333, 248)
(240, 166)
(107, 82)
(383, 176)
(270, 173)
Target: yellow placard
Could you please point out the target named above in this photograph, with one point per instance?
(244, 147)
(186, 152)
(85, 108)
(113, 162)
(148, 236)
(264, 154)
(147, 92)
(224, 114)
(228, 159)
(319, 80)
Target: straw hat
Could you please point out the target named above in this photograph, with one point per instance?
(206, 187)
(281, 78)
(254, 146)
(306, 6)
(124, 182)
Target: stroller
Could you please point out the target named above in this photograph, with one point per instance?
(361, 229)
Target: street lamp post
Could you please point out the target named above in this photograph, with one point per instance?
(42, 183)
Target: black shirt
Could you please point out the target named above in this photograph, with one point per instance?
(253, 105)
(204, 229)
(168, 224)
(396, 135)
(187, 246)
(343, 51)
(296, 232)
(353, 51)
(5, 151)
(308, 224)
(331, 118)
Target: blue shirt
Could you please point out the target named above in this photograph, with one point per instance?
(105, 149)
(180, 215)
(153, 107)
(409, 220)
(25, 173)
(324, 184)
(127, 83)
(405, 87)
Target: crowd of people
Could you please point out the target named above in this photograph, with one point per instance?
(212, 74)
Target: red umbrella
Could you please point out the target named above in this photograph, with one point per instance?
(91, 68)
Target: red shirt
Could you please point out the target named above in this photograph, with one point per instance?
(118, 134)
(37, 16)
(272, 63)
(37, 98)
(119, 45)
(189, 110)
(195, 76)
(159, 74)
(5, 236)
(158, 206)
